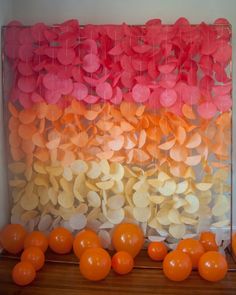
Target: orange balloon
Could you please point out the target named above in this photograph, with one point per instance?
(128, 237)
(37, 239)
(157, 251)
(12, 238)
(23, 273)
(35, 256)
(84, 240)
(122, 262)
(177, 266)
(60, 240)
(193, 248)
(208, 241)
(212, 266)
(95, 264)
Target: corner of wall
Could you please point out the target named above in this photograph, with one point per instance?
(5, 16)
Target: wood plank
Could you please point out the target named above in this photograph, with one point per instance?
(141, 261)
(60, 278)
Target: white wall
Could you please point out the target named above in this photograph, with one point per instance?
(117, 11)
(5, 16)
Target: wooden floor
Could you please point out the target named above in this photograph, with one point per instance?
(63, 277)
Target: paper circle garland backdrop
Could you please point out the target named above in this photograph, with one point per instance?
(112, 123)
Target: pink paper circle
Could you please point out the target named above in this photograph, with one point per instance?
(167, 68)
(128, 97)
(37, 32)
(222, 28)
(65, 73)
(223, 53)
(206, 64)
(26, 52)
(116, 50)
(35, 97)
(142, 48)
(206, 83)
(191, 94)
(117, 96)
(209, 46)
(207, 110)
(154, 99)
(25, 100)
(220, 73)
(91, 63)
(90, 45)
(50, 34)
(12, 33)
(168, 80)
(222, 89)
(50, 81)
(76, 74)
(25, 36)
(66, 56)
(126, 63)
(152, 70)
(127, 79)
(139, 65)
(25, 68)
(140, 93)
(11, 50)
(115, 32)
(104, 90)
(80, 91)
(91, 99)
(27, 84)
(50, 51)
(52, 97)
(176, 108)
(168, 97)
(223, 103)
(92, 82)
(65, 86)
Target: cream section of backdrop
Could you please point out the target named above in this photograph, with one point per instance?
(118, 11)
